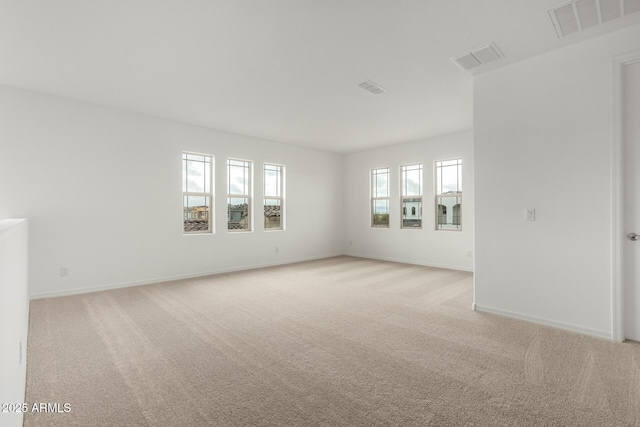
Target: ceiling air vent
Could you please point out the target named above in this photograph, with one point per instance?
(577, 15)
(477, 57)
(372, 87)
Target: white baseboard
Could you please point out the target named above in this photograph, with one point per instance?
(547, 322)
(404, 261)
(78, 291)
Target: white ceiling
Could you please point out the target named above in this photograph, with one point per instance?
(285, 70)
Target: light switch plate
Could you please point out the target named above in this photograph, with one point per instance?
(529, 214)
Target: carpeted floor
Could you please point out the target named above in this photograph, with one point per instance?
(335, 342)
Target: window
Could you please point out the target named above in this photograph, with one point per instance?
(380, 198)
(273, 197)
(448, 194)
(197, 193)
(238, 195)
(411, 194)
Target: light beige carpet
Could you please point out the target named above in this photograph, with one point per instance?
(335, 342)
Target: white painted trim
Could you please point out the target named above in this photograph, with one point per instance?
(85, 290)
(546, 322)
(404, 261)
(617, 199)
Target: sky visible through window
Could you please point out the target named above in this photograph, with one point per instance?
(449, 176)
(272, 180)
(412, 180)
(238, 177)
(380, 182)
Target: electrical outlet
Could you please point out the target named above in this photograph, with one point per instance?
(64, 271)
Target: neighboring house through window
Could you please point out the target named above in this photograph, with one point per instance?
(448, 194)
(239, 195)
(197, 193)
(380, 198)
(411, 195)
(273, 197)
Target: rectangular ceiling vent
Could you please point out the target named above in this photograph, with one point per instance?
(576, 15)
(372, 87)
(477, 57)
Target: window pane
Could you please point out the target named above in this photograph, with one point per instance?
(380, 213)
(195, 182)
(449, 179)
(383, 185)
(196, 178)
(380, 182)
(449, 213)
(412, 180)
(272, 180)
(238, 176)
(412, 212)
(196, 213)
(448, 188)
(272, 203)
(449, 176)
(238, 213)
(272, 214)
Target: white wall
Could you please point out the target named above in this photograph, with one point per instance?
(449, 249)
(14, 316)
(102, 191)
(542, 139)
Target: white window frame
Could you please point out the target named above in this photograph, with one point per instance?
(373, 173)
(248, 196)
(406, 198)
(186, 193)
(439, 195)
(280, 190)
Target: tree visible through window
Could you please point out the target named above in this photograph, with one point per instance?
(197, 193)
(380, 198)
(273, 197)
(411, 189)
(448, 194)
(238, 195)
